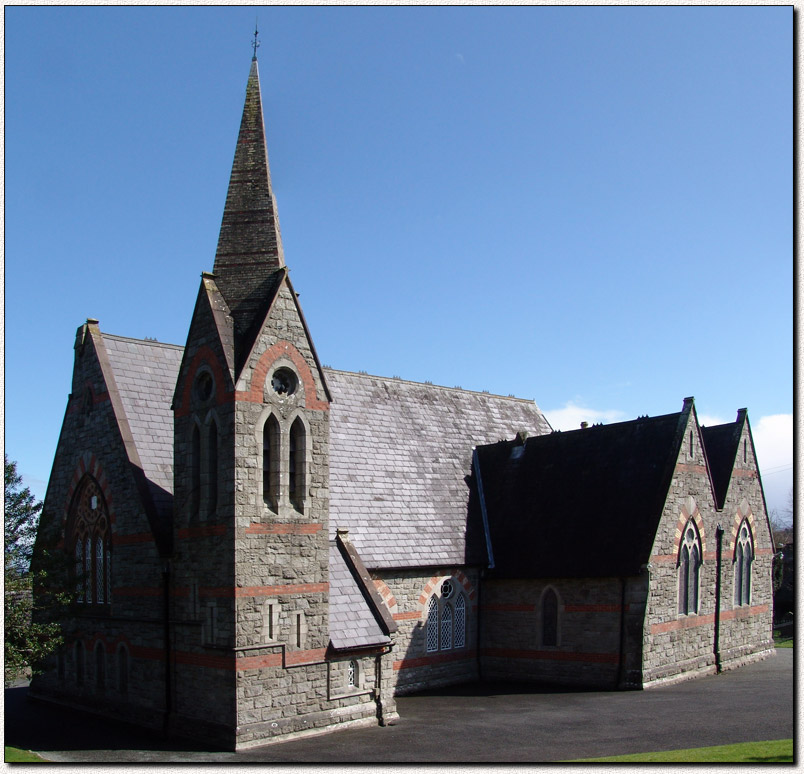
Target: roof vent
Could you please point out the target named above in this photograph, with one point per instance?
(584, 425)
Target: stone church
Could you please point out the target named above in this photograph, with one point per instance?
(264, 547)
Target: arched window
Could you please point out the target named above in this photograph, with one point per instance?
(296, 465)
(351, 675)
(79, 662)
(122, 670)
(743, 559)
(460, 621)
(212, 467)
(550, 618)
(432, 624)
(689, 564)
(270, 462)
(89, 531)
(79, 570)
(100, 571)
(100, 666)
(446, 626)
(195, 470)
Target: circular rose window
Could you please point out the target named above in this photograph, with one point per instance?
(284, 381)
(204, 386)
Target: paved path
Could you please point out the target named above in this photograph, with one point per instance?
(476, 723)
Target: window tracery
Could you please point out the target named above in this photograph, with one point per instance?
(446, 619)
(743, 559)
(91, 537)
(689, 564)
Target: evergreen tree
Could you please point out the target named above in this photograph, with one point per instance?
(31, 623)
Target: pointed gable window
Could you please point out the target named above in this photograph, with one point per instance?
(689, 563)
(212, 467)
(195, 468)
(460, 621)
(89, 534)
(296, 465)
(743, 559)
(270, 462)
(432, 625)
(550, 618)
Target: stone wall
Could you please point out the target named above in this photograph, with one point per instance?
(594, 645)
(90, 445)
(407, 594)
(677, 645)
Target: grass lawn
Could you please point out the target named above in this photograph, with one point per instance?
(780, 751)
(15, 755)
(782, 640)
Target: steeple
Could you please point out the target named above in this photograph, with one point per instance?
(249, 259)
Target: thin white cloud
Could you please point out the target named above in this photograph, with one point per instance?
(709, 420)
(571, 416)
(460, 58)
(773, 440)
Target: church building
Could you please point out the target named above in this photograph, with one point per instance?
(263, 547)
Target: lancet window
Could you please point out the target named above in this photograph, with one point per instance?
(743, 559)
(446, 619)
(689, 564)
(91, 538)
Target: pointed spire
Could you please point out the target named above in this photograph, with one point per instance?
(249, 254)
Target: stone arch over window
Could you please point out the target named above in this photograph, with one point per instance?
(689, 511)
(90, 542)
(690, 558)
(549, 607)
(447, 612)
(297, 464)
(743, 560)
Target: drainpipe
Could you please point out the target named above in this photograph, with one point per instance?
(166, 620)
(719, 541)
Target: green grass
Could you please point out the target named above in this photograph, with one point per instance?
(782, 640)
(15, 755)
(780, 751)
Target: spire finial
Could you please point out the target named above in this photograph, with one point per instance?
(256, 43)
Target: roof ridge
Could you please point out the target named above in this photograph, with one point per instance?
(399, 379)
(149, 342)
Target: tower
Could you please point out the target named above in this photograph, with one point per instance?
(251, 408)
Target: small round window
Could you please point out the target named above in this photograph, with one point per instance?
(446, 589)
(284, 381)
(204, 386)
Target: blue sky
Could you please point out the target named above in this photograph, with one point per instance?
(588, 206)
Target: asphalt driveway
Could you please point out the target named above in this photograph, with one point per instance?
(470, 723)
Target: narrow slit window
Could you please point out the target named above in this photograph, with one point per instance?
(212, 467)
(296, 466)
(195, 467)
(550, 618)
(270, 462)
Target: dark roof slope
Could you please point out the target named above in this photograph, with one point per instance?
(579, 503)
(400, 457)
(352, 624)
(721, 443)
(145, 374)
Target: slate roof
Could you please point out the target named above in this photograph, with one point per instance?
(583, 503)
(400, 453)
(352, 623)
(721, 443)
(145, 373)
